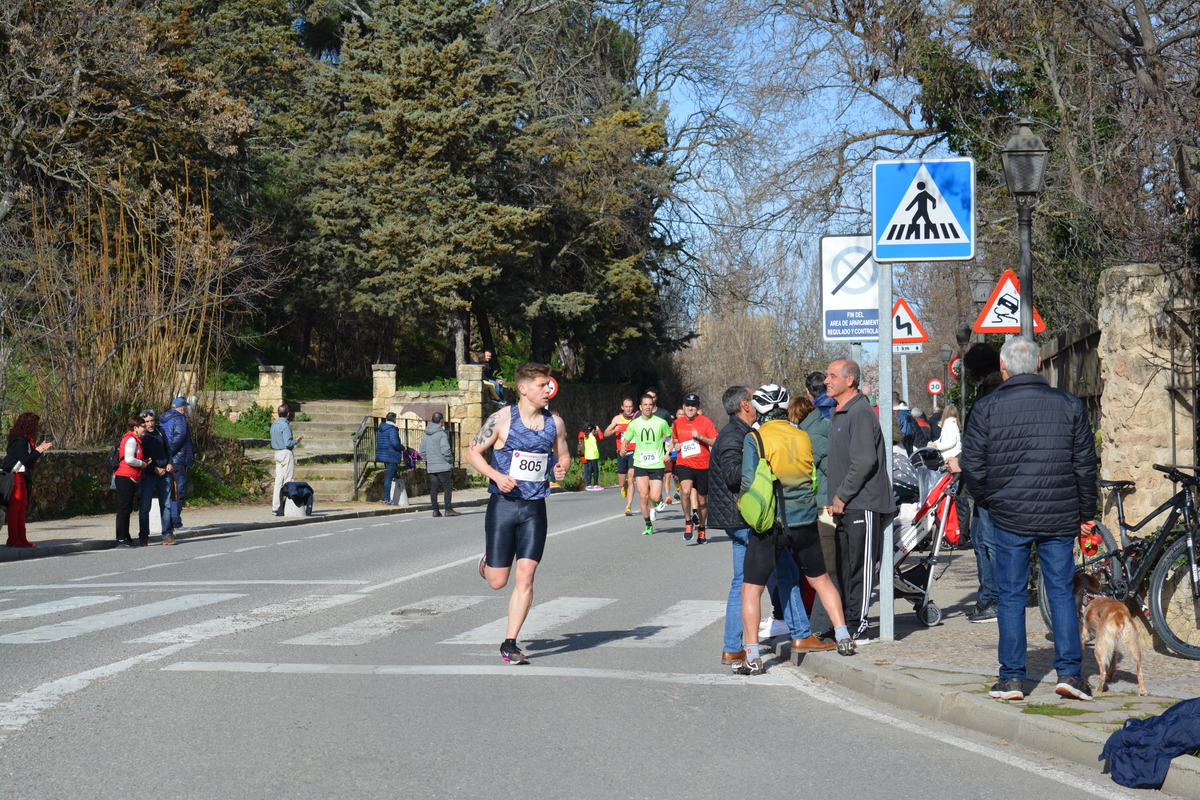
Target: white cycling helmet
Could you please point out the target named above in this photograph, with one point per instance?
(770, 397)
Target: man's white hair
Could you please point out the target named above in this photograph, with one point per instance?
(1020, 356)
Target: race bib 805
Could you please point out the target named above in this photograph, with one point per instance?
(528, 466)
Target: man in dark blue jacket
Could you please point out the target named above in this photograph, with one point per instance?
(389, 450)
(174, 424)
(1029, 458)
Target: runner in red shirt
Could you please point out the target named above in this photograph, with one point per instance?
(693, 434)
(624, 450)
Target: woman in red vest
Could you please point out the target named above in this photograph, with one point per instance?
(128, 476)
(21, 455)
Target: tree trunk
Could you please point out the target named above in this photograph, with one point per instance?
(458, 329)
(542, 346)
(483, 324)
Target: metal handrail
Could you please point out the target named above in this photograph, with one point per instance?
(364, 441)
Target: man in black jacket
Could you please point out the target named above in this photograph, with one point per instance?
(724, 484)
(1029, 458)
(156, 479)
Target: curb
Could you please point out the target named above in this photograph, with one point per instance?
(1046, 734)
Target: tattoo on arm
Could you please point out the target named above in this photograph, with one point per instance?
(487, 431)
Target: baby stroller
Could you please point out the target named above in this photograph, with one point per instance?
(922, 528)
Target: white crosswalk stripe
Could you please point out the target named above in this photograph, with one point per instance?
(685, 618)
(56, 606)
(542, 619)
(111, 619)
(375, 627)
(250, 619)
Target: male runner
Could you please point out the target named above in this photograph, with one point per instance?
(668, 463)
(693, 434)
(521, 438)
(625, 449)
(650, 435)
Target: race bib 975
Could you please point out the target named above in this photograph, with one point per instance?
(648, 457)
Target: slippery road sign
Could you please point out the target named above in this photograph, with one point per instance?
(1002, 312)
(923, 209)
(849, 289)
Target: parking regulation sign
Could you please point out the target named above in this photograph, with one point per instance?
(923, 209)
(849, 289)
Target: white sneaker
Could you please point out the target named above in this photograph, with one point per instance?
(662, 505)
(653, 514)
(776, 627)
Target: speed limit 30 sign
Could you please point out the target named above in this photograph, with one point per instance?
(935, 386)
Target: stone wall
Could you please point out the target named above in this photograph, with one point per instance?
(233, 402)
(76, 479)
(1142, 421)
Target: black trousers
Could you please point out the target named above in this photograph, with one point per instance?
(859, 545)
(443, 479)
(126, 488)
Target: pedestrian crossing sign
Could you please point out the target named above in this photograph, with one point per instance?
(923, 209)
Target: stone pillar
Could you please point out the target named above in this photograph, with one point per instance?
(185, 381)
(384, 379)
(467, 408)
(1142, 421)
(270, 387)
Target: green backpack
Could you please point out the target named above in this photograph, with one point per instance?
(757, 505)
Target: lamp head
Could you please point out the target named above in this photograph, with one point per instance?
(1024, 159)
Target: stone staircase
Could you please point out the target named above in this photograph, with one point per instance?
(324, 457)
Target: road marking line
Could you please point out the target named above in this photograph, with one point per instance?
(808, 686)
(288, 541)
(685, 618)
(472, 559)
(210, 555)
(542, 619)
(347, 530)
(254, 547)
(318, 536)
(111, 619)
(368, 629)
(381, 525)
(722, 679)
(55, 606)
(153, 584)
(249, 619)
(156, 566)
(23, 709)
(101, 575)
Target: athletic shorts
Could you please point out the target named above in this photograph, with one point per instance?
(514, 528)
(624, 464)
(668, 464)
(652, 474)
(698, 477)
(803, 541)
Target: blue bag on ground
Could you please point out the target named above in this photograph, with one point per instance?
(1140, 754)
(299, 493)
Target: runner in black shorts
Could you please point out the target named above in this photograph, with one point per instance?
(693, 434)
(624, 451)
(522, 438)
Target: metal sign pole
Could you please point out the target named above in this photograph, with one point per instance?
(904, 378)
(886, 587)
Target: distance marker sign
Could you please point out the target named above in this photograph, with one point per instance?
(849, 290)
(923, 209)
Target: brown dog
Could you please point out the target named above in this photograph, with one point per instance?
(1111, 626)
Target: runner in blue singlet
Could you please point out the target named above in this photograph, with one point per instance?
(522, 438)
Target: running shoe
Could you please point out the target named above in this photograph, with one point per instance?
(628, 511)
(700, 537)
(624, 492)
(653, 513)
(687, 531)
(754, 667)
(662, 505)
(846, 647)
(511, 654)
(482, 565)
(678, 494)
(695, 516)
(1007, 689)
(667, 500)
(1073, 687)
(649, 529)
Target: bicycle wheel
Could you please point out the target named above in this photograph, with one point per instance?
(1174, 610)
(1098, 565)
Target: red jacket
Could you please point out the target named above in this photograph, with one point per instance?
(127, 470)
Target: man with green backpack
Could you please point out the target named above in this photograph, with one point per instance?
(779, 503)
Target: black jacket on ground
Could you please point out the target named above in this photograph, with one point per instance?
(725, 475)
(1029, 458)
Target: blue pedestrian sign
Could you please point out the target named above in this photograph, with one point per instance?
(923, 209)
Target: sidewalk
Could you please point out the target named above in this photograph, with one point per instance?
(946, 671)
(76, 534)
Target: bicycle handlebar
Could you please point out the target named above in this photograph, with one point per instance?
(1176, 476)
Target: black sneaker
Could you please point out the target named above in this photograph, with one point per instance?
(1073, 687)
(985, 612)
(1007, 689)
(747, 667)
(695, 517)
(847, 647)
(511, 654)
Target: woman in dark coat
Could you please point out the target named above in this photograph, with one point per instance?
(21, 455)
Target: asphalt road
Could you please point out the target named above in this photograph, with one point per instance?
(359, 660)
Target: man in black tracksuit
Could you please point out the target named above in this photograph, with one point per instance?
(1029, 459)
(860, 493)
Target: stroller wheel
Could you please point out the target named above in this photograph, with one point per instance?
(929, 615)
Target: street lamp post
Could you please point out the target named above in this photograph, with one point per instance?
(963, 337)
(947, 353)
(1024, 160)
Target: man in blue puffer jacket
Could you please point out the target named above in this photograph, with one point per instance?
(1029, 458)
(174, 424)
(389, 450)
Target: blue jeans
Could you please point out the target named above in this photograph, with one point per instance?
(1057, 570)
(389, 475)
(983, 538)
(180, 486)
(155, 486)
(733, 606)
(788, 575)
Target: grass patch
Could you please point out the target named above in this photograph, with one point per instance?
(252, 424)
(1050, 710)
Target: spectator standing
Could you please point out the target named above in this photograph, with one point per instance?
(904, 418)
(175, 427)
(127, 477)
(23, 452)
(439, 461)
(860, 493)
(924, 433)
(1044, 496)
(156, 479)
(283, 443)
(589, 455)
(949, 444)
(814, 384)
(725, 482)
(389, 450)
(982, 364)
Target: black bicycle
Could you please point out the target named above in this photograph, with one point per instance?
(1166, 557)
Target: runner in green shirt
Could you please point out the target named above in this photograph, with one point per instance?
(652, 435)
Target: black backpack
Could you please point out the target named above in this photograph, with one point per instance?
(113, 459)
